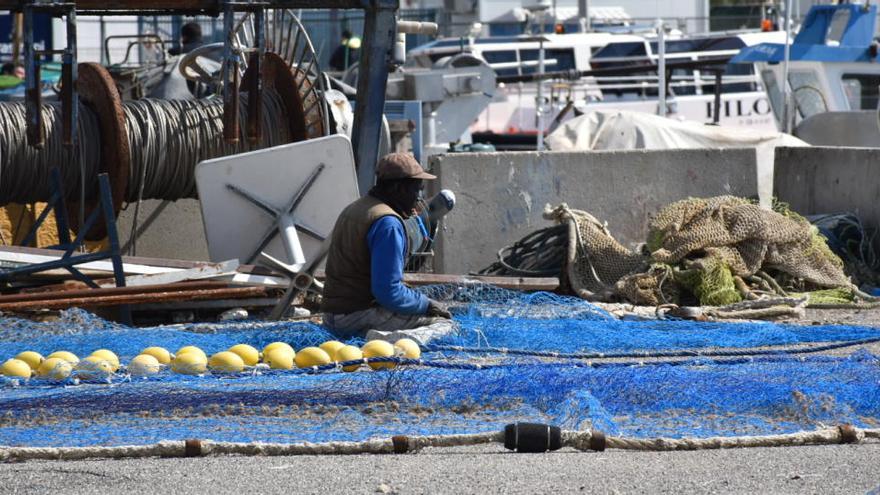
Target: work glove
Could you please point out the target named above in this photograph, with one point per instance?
(438, 310)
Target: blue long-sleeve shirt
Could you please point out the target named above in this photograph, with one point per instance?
(387, 242)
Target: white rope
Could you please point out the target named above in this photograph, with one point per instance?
(581, 440)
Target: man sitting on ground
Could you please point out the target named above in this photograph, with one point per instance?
(364, 293)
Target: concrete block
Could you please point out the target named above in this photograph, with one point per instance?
(168, 229)
(830, 180)
(501, 196)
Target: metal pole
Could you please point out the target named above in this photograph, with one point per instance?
(229, 75)
(584, 15)
(661, 69)
(17, 30)
(102, 32)
(255, 91)
(380, 28)
(786, 89)
(716, 115)
(33, 102)
(539, 100)
(69, 97)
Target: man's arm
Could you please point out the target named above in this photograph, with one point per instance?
(387, 242)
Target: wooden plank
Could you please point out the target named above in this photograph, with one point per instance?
(516, 283)
(260, 302)
(254, 279)
(11, 256)
(206, 271)
(110, 291)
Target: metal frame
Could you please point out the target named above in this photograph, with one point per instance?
(33, 90)
(380, 27)
(68, 260)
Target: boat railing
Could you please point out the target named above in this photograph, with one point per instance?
(650, 81)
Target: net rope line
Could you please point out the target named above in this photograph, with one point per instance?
(654, 354)
(580, 440)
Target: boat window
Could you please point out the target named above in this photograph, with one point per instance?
(628, 49)
(699, 45)
(682, 82)
(774, 93)
(502, 56)
(837, 27)
(724, 44)
(862, 91)
(738, 78)
(676, 46)
(564, 59)
(807, 93)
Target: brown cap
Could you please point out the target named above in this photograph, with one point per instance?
(400, 166)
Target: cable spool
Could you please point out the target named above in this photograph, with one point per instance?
(149, 148)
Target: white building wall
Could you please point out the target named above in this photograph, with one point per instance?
(691, 15)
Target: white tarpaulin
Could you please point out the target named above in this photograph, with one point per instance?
(622, 130)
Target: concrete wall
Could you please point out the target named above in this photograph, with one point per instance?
(830, 180)
(501, 196)
(171, 229)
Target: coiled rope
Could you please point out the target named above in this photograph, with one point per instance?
(167, 139)
(25, 170)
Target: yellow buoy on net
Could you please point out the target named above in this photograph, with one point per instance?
(67, 356)
(160, 353)
(144, 365)
(54, 368)
(408, 348)
(16, 368)
(226, 362)
(248, 354)
(349, 353)
(276, 345)
(190, 363)
(94, 368)
(193, 349)
(279, 358)
(108, 356)
(33, 359)
(378, 348)
(311, 356)
(330, 347)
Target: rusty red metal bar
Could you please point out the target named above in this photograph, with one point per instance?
(60, 292)
(136, 298)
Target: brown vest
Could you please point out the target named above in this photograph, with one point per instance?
(347, 282)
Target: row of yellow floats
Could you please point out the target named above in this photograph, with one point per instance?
(191, 360)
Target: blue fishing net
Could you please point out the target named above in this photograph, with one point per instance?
(466, 382)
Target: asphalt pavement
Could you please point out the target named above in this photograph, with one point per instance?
(478, 470)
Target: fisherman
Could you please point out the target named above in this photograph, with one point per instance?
(190, 39)
(364, 293)
(347, 53)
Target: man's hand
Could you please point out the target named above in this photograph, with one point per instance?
(437, 309)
